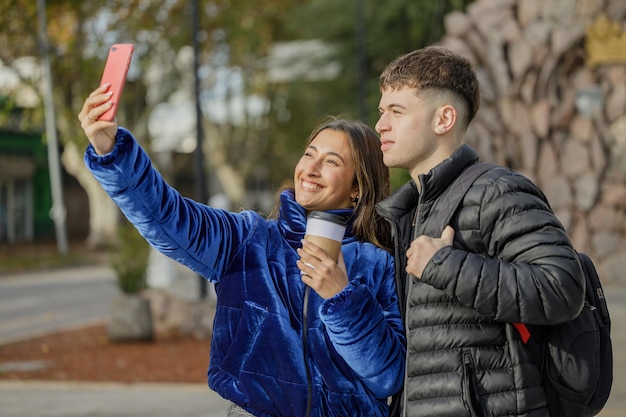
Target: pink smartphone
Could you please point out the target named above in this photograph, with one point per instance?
(115, 71)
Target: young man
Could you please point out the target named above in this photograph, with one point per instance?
(504, 258)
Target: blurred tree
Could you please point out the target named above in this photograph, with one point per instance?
(234, 39)
(80, 34)
(388, 29)
(238, 98)
(250, 117)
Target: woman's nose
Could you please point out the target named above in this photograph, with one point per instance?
(312, 168)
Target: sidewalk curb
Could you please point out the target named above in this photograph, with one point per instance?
(100, 385)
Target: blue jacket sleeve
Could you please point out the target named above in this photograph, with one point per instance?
(364, 324)
(196, 235)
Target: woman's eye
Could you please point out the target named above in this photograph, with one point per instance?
(333, 162)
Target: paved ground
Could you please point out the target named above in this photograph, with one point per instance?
(35, 303)
(53, 399)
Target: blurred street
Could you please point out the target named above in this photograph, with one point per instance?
(33, 304)
(39, 303)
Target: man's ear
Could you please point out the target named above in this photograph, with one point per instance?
(445, 119)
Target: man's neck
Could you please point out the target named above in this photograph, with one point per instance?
(440, 155)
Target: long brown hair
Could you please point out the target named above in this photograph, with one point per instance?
(370, 174)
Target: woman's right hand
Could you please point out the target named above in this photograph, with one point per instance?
(101, 134)
(320, 271)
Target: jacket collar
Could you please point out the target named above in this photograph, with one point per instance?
(292, 219)
(433, 183)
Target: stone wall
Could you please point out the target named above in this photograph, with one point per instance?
(530, 57)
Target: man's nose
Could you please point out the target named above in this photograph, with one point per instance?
(381, 125)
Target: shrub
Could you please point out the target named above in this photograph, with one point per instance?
(130, 260)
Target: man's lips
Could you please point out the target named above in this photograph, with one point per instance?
(385, 144)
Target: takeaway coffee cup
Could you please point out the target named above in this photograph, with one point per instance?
(326, 230)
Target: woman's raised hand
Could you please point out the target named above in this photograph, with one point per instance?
(100, 133)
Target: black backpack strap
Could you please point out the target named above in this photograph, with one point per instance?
(594, 294)
(449, 201)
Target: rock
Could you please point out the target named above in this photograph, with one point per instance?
(529, 58)
(130, 319)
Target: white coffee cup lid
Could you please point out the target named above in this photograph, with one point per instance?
(331, 226)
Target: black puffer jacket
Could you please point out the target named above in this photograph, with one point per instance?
(511, 262)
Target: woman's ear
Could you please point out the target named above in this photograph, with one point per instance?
(355, 196)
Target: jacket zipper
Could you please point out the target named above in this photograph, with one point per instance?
(405, 298)
(409, 288)
(309, 381)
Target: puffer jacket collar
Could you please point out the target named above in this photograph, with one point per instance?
(292, 219)
(433, 183)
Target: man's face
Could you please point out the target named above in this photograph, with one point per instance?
(405, 126)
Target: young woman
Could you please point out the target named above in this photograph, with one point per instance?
(295, 333)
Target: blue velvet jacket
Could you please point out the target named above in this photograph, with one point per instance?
(278, 348)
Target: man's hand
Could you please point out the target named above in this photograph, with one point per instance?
(423, 249)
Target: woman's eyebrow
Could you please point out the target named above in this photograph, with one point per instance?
(328, 153)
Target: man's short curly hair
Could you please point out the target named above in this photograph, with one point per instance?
(435, 68)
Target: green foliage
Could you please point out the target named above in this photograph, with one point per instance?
(130, 259)
(398, 177)
(235, 35)
(19, 119)
(363, 44)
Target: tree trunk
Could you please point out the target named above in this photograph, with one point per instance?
(103, 213)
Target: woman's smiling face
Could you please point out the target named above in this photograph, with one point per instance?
(324, 175)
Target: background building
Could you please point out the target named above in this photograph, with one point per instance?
(25, 197)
